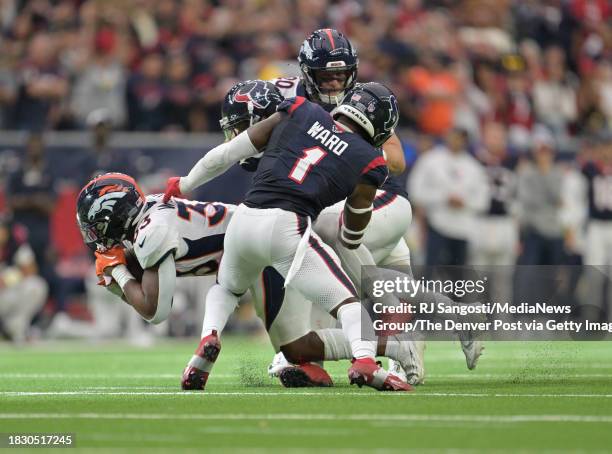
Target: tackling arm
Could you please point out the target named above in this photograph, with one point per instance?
(222, 157)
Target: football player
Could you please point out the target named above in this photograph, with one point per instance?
(311, 161)
(282, 310)
(329, 65)
(176, 238)
(315, 338)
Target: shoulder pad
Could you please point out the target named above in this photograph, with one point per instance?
(291, 104)
(154, 241)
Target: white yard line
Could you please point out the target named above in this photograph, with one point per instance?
(320, 417)
(291, 393)
(52, 375)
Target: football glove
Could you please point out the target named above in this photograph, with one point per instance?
(109, 259)
(172, 188)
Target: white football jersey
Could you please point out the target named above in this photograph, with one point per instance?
(288, 86)
(192, 231)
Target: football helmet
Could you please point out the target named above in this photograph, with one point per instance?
(374, 108)
(247, 103)
(327, 50)
(108, 209)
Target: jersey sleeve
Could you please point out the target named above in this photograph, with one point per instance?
(376, 171)
(290, 105)
(155, 240)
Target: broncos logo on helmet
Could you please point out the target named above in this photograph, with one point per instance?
(108, 209)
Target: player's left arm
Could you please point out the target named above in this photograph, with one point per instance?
(218, 160)
(394, 155)
(152, 297)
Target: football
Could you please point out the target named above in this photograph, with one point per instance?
(132, 264)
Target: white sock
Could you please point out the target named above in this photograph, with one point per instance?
(354, 320)
(220, 303)
(335, 342)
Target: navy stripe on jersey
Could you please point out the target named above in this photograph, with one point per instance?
(273, 294)
(302, 224)
(331, 264)
(383, 200)
(203, 246)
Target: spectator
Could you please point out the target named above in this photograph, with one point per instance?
(8, 90)
(555, 95)
(517, 111)
(495, 241)
(437, 90)
(31, 198)
(145, 94)
(22, 291)
(101, 157)
(101, 85)
(41, 85)
(450, 185)
(539, 198)
(177, 103)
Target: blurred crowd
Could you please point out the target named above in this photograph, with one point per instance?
(165, 64)
(506, 111)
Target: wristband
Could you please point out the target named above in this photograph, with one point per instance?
(359, 210)
(121, 275)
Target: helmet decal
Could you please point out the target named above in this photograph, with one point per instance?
(254, 94)
(105, 202)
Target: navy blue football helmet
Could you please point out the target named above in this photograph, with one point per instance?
(327, 50)
(374, 108)
(247, 103)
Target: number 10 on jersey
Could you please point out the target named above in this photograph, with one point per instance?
(310, 157)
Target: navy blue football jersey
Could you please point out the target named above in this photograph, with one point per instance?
(599, 191)
(311, 162)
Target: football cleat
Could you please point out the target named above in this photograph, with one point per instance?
(196, 373)
(471, 346)
(193, 379)
(411, 362)
(366, 371)
(304, 376)
(279, 363)
(396, 369)
(472, 349)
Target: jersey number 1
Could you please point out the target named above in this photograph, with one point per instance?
(311, 157)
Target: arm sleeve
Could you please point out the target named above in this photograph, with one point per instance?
(290, 105)
(218, 160)
(166, 273)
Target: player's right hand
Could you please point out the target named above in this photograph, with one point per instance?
(109, 259)
(172, 188)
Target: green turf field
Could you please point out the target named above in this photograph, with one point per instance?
(527, 396)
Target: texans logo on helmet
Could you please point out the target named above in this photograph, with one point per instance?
(391, 121)
(259, 98)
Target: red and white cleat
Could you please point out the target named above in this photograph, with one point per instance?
(304, 376)
(196, 373)
(366, 371)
